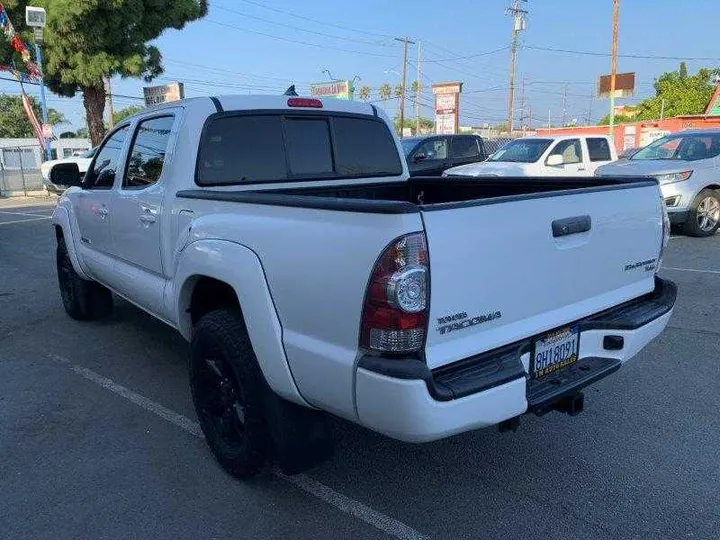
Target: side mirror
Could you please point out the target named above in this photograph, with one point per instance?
(419, 157)
(554, 160)
(65, 174)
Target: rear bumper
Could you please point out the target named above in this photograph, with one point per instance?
(405, 400)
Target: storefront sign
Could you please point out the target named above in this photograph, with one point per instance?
(154, 95)
(333, 89)
(447, 107)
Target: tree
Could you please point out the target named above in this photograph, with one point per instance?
(124, 113)
(676, 93)
(426, 124)
(82, 133)
(14, 122)
(384, 92)
(415, 88)
(398, 90)
(67, 135)
(88, 40)
(364, 93)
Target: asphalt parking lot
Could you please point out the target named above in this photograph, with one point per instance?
(98, 436)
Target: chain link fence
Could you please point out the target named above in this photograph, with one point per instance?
(20, 172)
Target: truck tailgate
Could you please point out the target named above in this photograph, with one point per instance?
(506, 269)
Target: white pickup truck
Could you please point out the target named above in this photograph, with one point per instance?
(567, 155)
(283, 237)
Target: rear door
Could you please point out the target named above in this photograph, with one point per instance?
(502, 266)
(92, 205)
(464, 149)
(137, 215)
(598, 153)
(430, 158)
(573, 164)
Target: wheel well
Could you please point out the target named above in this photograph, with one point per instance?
(58, 233)
(713, 186)
(210, 294)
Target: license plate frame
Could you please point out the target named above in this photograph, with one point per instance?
(563, 342)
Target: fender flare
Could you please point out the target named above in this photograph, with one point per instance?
(239, 267)
(61, 218)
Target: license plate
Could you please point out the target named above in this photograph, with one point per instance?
(555, 351)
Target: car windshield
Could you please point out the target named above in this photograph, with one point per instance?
(685, 147)
(522, 151)
(408, 145)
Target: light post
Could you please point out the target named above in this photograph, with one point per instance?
(36, 18)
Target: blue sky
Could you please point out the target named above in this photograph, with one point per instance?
(261, 46)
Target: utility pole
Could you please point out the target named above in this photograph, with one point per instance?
(108, 99)
(549, 123)
(613, 64)
(592, 96)
(662, 109)
(518, 17)
(522, 102)
(417, 95)
(405, 42)
(564, 105)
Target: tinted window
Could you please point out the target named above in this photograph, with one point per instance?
(239, 149)
(308, 146)
(236, 149)
(433, 149)
(570, 150)
(688, 147)
(465, 148)
(599, 149)
(105, 165)
(521, 151)
(147, 153)
(364, 147)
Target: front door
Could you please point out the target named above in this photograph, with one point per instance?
(572, 159)
(136, 208)
(92, 206)
(430, 158)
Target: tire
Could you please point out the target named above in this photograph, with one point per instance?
(704, 216)
(83, 300)
(228, 391)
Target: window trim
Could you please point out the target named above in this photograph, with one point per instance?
(609, 149)
(132, 144)
(289, 113)
(558, 143)
(97, 153)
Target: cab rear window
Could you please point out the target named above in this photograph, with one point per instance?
(257, 148)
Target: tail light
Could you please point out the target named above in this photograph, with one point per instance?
(395, 313)
(305, 102)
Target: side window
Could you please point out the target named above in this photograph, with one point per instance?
(598, 149)
(570, 150)
(102, 175)
(147, 153)
(433, 149)
(465, 148)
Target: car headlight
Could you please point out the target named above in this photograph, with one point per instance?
(673, 177)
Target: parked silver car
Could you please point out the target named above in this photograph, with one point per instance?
(687, 165)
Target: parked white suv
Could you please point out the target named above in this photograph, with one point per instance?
(544, 156)
(285, 240)
(687, 165)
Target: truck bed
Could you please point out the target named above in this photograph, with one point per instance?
(419, 193)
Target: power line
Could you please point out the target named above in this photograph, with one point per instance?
(638, 56)
(298, 28)
(476, 55)
(297, 41)
(316, 21)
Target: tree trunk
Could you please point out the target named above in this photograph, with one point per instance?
(94, 101)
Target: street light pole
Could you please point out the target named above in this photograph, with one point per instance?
(43, 103)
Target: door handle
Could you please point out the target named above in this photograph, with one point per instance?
(571, 225)
(147, 219)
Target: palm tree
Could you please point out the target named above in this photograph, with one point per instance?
(364, 93)
(384, 92)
